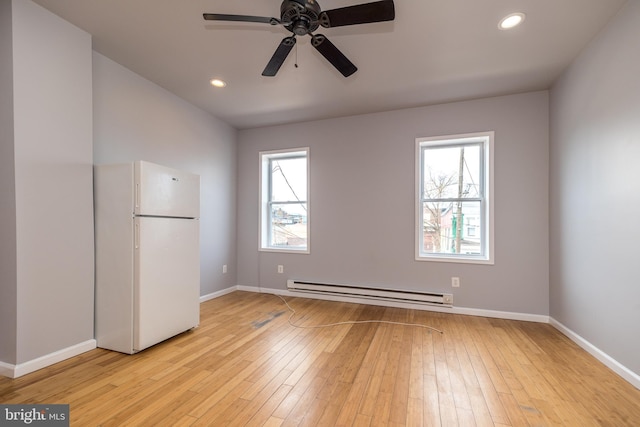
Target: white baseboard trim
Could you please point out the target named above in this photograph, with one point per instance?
(608, 361)
(217, 294)
(427, 307)
(507, 315)
(15, 371)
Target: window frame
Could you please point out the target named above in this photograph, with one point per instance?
(265, 223)
(486, 199)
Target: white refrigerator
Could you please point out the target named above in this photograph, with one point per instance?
(147, 254)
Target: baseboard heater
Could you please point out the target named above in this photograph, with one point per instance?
(372, 293)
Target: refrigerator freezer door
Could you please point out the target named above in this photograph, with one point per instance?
(167, 285)
(163, 191)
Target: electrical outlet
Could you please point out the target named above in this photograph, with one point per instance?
(281, 269)
(224, 269)
(455, 282)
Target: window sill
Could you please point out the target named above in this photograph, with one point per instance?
(286, 251)
(457, 259)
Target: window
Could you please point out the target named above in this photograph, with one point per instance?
(454, 202)
(284, 224)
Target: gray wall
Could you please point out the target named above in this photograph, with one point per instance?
(8, 289)
(53, 191)
(135, 119)
(363, 212)
(595, 197)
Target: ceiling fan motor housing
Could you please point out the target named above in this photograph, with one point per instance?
(301, 16)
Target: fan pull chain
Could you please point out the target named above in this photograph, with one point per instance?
(296, 63)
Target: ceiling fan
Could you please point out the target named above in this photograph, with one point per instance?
(302, 17)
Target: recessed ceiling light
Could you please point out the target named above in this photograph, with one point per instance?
(511, 21)
(217, 83)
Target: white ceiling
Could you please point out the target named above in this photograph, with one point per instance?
(435, 51)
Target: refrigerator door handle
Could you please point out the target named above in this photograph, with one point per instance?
(137, 235)
(137, 201)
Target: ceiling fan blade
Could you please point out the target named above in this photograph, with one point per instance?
(333, 55)
(366, 13)
(279, 56)
(240, 18)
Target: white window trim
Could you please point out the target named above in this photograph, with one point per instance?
(489, 212)
(263, 227)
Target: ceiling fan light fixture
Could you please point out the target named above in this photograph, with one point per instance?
(217, 83)
(511, 21)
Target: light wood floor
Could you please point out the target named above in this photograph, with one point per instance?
(245, 365)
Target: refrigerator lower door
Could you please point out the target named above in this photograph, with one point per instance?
(167, 279)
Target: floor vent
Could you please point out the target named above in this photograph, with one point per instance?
(372, 293)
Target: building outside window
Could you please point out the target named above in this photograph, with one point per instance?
(284, 224)
(455, 199)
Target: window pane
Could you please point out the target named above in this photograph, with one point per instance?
(284, 220)
(451, 172)
(289, 179)
(454, 213)
(288, 225)
(451, 228)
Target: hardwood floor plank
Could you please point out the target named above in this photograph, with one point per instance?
(185, 421)
(273, 422)
(479, 407)
(447, 405)
(382, 409)
(548, 412)
(416, 367)
(415, 412)
(177, 412)
(167, 393)
(372, 390)
(516, 417)
(264, 415)
(400, 397)
(362, 421)
(270, 370)
(295, 406)
(465, 417)
(493, 361)
(349, 412)
(431, 401)
(355, 355)
(304, 390)
(326, 412)
(225, 410)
